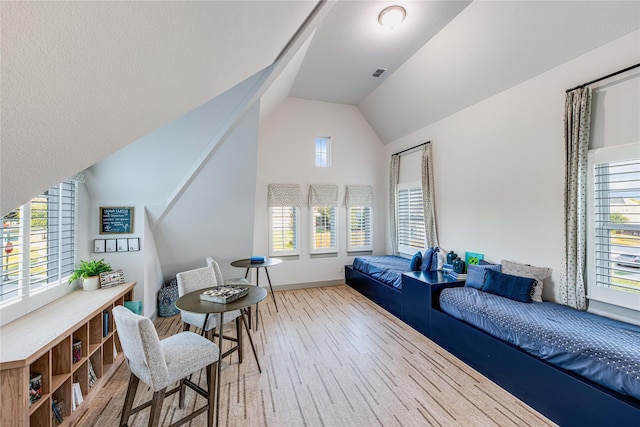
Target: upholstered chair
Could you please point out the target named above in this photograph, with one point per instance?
(161, 363)
(216, 269)
(233, 281)
(201, 278)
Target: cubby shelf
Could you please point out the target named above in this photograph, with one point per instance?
(42, 343)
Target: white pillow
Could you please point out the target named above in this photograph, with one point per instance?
(526, 270)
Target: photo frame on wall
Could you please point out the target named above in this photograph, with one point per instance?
(116, 220)
(122, 245)
(110, 245)
(134, 244)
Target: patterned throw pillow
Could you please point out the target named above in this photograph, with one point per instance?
(526, 270)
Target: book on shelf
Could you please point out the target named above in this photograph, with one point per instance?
(77, 395)
(224, 294)
(92, 375)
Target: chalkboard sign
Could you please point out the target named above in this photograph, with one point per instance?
(116, 220)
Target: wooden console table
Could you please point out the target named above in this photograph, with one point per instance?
(42, 342)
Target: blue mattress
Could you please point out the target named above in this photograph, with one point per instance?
(604, 350)
(386, 268)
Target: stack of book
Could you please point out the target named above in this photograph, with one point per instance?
(224, 294)
(447, 270)
(257, 259)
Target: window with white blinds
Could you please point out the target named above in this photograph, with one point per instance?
(614, 225)
(283, 236)
(323, 230)
(359, 230)
(39, 244)
(410, 218)
(359, 202)
(284, 218)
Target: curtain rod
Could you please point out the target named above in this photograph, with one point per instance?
(603, 78)
(408, 149)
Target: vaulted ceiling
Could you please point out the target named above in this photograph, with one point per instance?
(80, 80)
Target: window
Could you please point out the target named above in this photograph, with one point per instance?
(359, 202)
(39, 246)
(359, 230)
(323, 202)
(283, 238)
(284, 205)
(410, 218)
(323, 151)
(613, 213)
(323, 230)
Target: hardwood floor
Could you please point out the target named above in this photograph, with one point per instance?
(332, 358)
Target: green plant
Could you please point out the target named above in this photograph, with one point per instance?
(89, 269)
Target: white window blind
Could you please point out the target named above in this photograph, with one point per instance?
(283, 237)
(323, 201)
(284, 205)
(359, 202)
(42, 248)
(410, 218)
(614, 216)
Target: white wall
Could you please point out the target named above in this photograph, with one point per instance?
(499, 165)
(286, 155)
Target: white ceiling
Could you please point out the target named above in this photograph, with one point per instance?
(80, 80)
(448, 55)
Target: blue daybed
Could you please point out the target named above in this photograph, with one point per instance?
(566, 394)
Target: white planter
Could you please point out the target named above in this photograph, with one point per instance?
(91, 283)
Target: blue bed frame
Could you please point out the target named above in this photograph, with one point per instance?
(562, 396)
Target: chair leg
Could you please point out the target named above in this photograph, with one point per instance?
(213, 386)
(239, 336)
(181, 394)
(128, 400)
(156, 408)
(186, 326)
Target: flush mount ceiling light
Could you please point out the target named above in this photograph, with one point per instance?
(392, 16)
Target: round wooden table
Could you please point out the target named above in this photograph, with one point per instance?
(268, 262)
(191, 302)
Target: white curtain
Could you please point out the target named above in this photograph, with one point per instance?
(394, 177)
(428, 197)
(577, 127)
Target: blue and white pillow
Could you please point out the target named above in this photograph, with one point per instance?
(476, 273)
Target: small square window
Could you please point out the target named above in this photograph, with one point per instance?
(323, 152)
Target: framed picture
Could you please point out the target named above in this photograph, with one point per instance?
(98, 245)
(111, 278)
(134, 244)
(122, 245)
(110, 245)
(473, 258)
(116, 220)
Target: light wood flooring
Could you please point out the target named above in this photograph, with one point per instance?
(332, 358)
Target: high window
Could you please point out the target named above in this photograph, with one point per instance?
(284, 219)
(323, 152)
(39, 247)
(614, 225)
(410, 218)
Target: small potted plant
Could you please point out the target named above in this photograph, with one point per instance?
(89, 272)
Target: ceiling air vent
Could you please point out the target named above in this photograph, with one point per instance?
(378, 72)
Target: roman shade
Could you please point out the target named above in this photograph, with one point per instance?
(284, 195)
